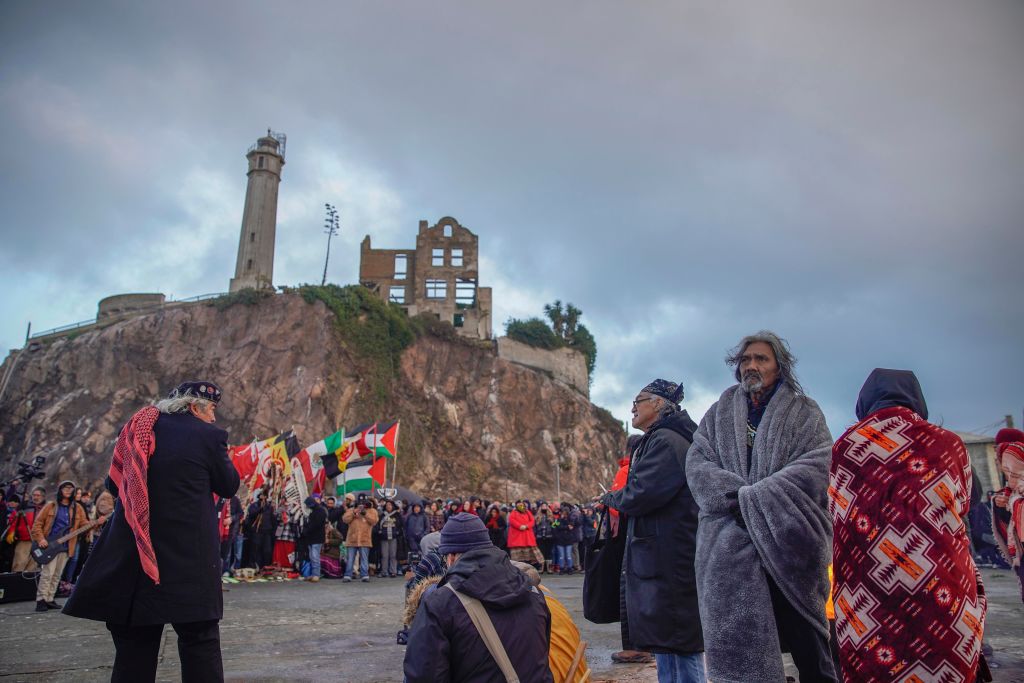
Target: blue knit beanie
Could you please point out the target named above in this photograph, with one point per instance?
(463, 532)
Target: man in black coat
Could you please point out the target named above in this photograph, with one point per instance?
(261, 523)
(189, 464)
(444, 645)
(314, 534)
(661, 537)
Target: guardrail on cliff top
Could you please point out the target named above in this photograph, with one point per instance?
(89, 323)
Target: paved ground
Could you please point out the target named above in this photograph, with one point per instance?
(298, 631)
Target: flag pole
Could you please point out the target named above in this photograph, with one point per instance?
(394, 465)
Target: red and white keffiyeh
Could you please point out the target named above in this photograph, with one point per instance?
(128, 470)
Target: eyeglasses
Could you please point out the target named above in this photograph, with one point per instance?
(641, 400)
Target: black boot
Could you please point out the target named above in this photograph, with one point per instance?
(41, 606)
(52, 604)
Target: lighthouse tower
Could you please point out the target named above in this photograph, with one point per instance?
(255, 265)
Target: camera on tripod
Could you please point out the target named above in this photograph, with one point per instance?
(27, 471)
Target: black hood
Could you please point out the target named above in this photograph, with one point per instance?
(487, 575)
(678, 422)
(887, 388)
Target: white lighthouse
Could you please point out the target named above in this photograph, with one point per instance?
(255, 265)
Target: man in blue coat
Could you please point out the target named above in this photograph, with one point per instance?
(159, 562)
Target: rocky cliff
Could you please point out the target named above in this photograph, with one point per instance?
(471, 421)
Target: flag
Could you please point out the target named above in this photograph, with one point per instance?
(357, 438)
(277, 450)
(385, 439)
(361, 475)
(311, 458)
(244, 458)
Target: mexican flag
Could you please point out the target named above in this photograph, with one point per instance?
(361, 475)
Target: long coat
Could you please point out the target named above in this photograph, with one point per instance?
(189, 465)
(521, 538)
(661, 541)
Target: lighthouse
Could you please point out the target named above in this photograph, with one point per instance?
(255, 265)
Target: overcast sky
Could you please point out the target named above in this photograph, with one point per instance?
(848, 174)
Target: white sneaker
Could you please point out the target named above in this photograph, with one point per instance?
(346, 579)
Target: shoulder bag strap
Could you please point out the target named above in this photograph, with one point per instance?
(485, 627)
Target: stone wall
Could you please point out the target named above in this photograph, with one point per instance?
(565, 365)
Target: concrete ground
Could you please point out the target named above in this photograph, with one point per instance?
(296, 631)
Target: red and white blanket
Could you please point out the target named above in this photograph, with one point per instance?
(909, 601)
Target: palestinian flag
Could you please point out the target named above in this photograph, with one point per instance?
(385, 439)
(361, 475)
(379, 439)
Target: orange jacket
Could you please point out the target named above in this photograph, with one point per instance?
(44, 523)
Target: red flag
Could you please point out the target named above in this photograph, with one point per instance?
(244, 458)
(378, 471)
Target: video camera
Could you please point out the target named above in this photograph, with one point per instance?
(27, 471)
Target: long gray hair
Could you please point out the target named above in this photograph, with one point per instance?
(783, 356)
(179, 403)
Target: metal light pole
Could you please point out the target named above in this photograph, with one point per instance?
(558, 482)
(331, 228)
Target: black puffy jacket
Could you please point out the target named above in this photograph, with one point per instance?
(445, 646)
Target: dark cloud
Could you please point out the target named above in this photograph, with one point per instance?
(850, 176)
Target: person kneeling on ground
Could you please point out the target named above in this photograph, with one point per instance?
(444, 645)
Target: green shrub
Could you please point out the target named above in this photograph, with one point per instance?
(247, 296)
(533, 332)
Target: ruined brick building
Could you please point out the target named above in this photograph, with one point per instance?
(439, 276)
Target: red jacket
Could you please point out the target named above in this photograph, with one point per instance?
(521, 538)
(23, 529)
(620, 480)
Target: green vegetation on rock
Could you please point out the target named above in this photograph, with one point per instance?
(564, 331)
(376, 330)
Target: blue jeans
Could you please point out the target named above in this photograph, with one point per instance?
(364, 560)
(563, 557)
(314, 559)
(681, 668)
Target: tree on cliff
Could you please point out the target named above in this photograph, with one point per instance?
(563, 331)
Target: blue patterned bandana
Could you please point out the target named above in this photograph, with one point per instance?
(670, 391)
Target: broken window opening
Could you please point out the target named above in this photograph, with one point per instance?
(252, 237)
(401, 266)
(397, 295)
(261, 162)
(248, 266)
(465, 293)
(457, 258)
(437, 257)
(459, 320)
(437, 289)
(447, 231)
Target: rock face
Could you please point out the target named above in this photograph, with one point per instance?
(471, 422)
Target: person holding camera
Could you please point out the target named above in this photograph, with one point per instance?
(23, 561)
(360, 518)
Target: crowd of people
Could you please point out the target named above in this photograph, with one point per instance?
(357, 536)
(747, 536)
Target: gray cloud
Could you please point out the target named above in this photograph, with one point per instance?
(848, 175)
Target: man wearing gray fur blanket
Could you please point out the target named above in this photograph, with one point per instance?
(759, 468)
